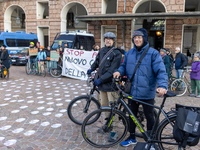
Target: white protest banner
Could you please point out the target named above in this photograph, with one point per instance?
(77, 62)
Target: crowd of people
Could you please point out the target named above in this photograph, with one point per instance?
(149, 77)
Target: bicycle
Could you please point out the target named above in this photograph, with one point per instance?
(5, 72)
(163, 134)
(57, 71)
(35, 68)
(81, 106)
(28, 67)
(181, 86)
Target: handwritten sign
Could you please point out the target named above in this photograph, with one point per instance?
(33, 51)
(54, 56)
(77, 62)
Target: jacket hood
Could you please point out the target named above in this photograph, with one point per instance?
(145, 36)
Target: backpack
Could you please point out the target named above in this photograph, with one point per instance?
(186, 59)
(186, 129)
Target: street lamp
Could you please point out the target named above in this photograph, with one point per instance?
(17, 18)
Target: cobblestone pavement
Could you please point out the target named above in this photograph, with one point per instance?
(33, 112)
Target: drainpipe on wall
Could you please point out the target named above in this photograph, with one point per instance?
(124, 23)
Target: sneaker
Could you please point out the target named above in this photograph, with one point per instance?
(192, 95)
(198, 96)
(113, 137)
(128, 141)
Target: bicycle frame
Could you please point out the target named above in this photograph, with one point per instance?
(146, 136)
(89, 97)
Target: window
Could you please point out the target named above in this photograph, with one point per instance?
(11, 42)
(1, 42)
(23, 43)
(70, 20)
(43, 10)
(192, 5)
(86, 41)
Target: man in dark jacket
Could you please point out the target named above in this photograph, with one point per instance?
(105, 73)
(180, 62)
(150, 73)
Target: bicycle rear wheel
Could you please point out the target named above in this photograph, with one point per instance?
(34, 69)
(179, 87)
(97, 134)
(42, 69)
(77, 110)
(165, 134)
(56, 72)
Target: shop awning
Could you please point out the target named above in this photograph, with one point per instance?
(174, 15)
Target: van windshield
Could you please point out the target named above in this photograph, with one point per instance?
(55, 43)
(1, 42)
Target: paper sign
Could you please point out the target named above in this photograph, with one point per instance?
(33, 51)
(54, 56)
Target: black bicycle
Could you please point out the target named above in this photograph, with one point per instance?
(113, 119)
(83, 105)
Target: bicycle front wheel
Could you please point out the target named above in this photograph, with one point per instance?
(56, 72)
(98, 133)
(179, 86)
(80, 107)
(28, 68)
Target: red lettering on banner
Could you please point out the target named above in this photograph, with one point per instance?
(81, 52)
(94, 54)
(73, 52)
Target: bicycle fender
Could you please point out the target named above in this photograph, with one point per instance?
(105, 107)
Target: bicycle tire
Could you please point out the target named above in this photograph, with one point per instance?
(101, 139)
(56, 72)
(179, 87)
(7, 76)
(165, 133)
(42, 69)
(141, 118)
(78, 115)
(27, 68)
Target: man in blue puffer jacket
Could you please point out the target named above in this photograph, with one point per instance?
(150, 72)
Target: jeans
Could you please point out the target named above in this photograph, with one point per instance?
(54, 64)
(31, 62)
(48, 65)
(179, 73)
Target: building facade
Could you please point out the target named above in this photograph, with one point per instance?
(170, 23)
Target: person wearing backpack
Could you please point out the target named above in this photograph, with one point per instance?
(180, 62)
(195, 75)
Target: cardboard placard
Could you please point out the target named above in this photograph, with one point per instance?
(33, 51)
(54, 56)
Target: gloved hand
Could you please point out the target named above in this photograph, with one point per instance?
(97, 82)
(89, 71)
